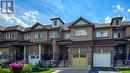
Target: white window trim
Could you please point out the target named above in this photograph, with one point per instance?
(27, 36)
(115, 35)
(10, 36)
(39, 35)
(103, 33)
(53, 34)
(66, 36)
(80, 32)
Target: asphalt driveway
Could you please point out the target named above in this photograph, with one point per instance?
(73, 70)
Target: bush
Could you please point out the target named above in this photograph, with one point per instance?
(27, 68)
(36, 68)
(16, 67)
(46, 69)
(5, 70)
(4, 64)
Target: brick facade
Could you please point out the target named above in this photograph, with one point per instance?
(58, 48)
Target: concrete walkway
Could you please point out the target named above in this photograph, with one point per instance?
(72, 70)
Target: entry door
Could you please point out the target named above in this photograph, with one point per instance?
(102, 60)
(79, 60)
(34, 59)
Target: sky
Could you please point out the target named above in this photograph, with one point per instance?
(28, 12)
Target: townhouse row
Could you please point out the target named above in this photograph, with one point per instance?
(80, 43)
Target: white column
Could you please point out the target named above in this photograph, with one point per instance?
(39, 51)
(128, 47)
(24, 52)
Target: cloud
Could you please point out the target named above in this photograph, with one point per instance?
(118, 8)
(57, 3)
(128, 10)
(31, 15)
(124, 19)
(11, 19)
(107, 19)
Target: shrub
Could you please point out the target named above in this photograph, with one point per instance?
(36, 68)
(16, 67)
(5, 70)
(27, 68)
(46, 69)
(4, 64)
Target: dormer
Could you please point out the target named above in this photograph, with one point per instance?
(57, 22)
(116, 21)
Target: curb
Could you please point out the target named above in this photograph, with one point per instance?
(57, 71)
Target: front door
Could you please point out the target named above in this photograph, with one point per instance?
(79, 60)
(19, 53)
(33, 59)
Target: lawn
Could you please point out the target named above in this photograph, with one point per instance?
(49, 71)
(124, 70)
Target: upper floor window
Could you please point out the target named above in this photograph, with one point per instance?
(38, 35)
(117, 35)
(55, 23)
(80, 32)
(117, 22)
(53, 34)
(10, 36)
(27, 36)
(102, 33)
(66, 36)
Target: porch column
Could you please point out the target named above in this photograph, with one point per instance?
(25, 49)
(128, 50)
(39, 51)
(92, 52)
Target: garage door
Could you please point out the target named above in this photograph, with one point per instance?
(102, 60)
(79, 61)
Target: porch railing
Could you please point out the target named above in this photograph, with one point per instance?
(54, 63)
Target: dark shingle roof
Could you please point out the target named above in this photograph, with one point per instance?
(16, 27)
(2, 28)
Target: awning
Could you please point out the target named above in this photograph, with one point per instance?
(101, 42)
(86, 43)
(105, 42)
(64, 42)
(6, 44)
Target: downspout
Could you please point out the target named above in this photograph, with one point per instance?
(92, 53)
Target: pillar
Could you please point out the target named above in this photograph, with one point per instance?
(39, 51)
(25, 49)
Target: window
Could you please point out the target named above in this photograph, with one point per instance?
(117, 22)
(27, 36)
(55, 23)
(117, 34)
(38, 35)
(101, 33)
(2, 56)
(53, 34)
(10, 36)
(80, 32)
(66, 36)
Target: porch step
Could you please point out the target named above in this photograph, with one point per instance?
(61, 64)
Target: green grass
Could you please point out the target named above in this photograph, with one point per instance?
(49, 71)
(124, 70)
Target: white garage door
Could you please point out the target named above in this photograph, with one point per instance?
(102, 60)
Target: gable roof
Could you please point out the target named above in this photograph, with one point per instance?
(2, 28)
(35, 25)
(58, 19)
(116, 18)
(14, 28)
(80, 18)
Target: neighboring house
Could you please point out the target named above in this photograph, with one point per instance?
(80, 43)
